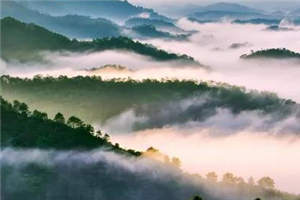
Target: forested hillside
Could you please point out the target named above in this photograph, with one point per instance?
(24, 42)
(21, 128)
(73, 26)
(112, 9)
(45, 156)
(96, 100)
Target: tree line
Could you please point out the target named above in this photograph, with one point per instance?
(97, 100)
(22, 128)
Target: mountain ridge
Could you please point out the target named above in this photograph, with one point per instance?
(24, 42)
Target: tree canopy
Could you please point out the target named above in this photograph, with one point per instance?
(24, 129)
(97, 100)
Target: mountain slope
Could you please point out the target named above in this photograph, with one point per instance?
(24, 42)
(159, 24)
(229, 7)
(162, 103)
(21, 128)
(149, 31)
(110, 9)
(52, 160)
(69, 25)
(231, 10)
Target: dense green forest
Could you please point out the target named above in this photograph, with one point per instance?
(97, 100)
(272, 53)
(24, 42)
(21, 128)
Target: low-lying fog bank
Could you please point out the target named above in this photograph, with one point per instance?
(216, 45)
(39, 174)
(246, 153)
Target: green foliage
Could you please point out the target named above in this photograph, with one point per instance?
(96, 100)
(24, 42)
(272, 53)
(23, 129)
(59, 118)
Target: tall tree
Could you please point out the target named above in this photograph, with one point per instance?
(59, 118)
(212, 177)
(266, 182)
(74, 122)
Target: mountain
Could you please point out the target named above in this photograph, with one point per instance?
(73, 26)
(272, 54)
(76, 26)
(24, 42)
(229, 7)
(111, 9)
(226, 10)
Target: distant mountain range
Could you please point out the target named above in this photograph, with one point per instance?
(240, 13)
(229, 10)
(86, 27)
(113, 18)
(229, 7)
(111, 9)
(73, 26)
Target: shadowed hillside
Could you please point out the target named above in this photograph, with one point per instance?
(24, 42)
(69, 25)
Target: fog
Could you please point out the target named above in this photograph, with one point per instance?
(250, 143)
(222, 121)
(247, 144)
(211, 46)
(216, 45)
(246, 154)
(99, 174)
(74, 64)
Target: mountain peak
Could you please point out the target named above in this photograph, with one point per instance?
(232, 7)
